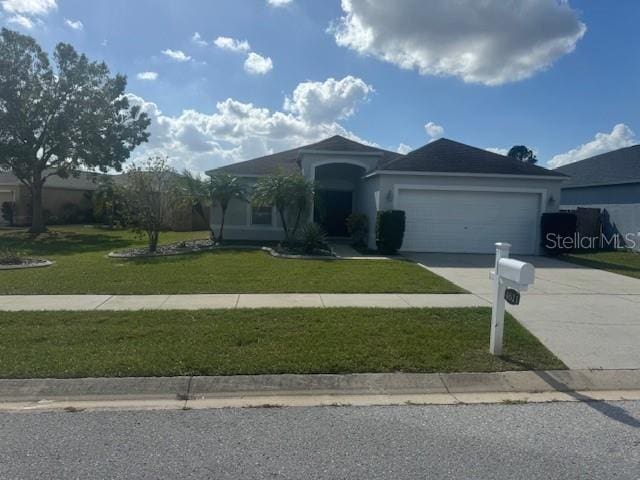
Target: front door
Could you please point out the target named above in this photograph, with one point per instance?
(332, 207)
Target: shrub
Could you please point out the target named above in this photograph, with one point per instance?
(390, 230)
(358, 227)
(556, 226)
(70, 213)
(9, 256)
(313, 238)
(8, 211)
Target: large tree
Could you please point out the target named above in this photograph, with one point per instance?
(57, 118)
(522, 154)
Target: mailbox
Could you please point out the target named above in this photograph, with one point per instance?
(509, 277)
(518, 275)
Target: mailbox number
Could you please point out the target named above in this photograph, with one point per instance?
(512, 296)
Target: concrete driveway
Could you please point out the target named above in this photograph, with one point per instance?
(589, 318)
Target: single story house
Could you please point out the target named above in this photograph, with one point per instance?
(57, 193)
(457, 198)
(69, 200)
(610, 182)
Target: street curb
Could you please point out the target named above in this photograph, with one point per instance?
(188, 388)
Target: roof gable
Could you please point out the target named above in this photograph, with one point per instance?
(287, 161)
(448, 156)
(618, 166)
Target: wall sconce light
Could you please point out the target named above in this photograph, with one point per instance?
(390, 195)
(551, 201)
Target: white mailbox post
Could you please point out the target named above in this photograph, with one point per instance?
(509, 275)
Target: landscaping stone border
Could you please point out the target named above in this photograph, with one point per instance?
(271, 251)
(30, 264)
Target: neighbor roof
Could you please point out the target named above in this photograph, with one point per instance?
(619, 166)
(287, 161)
(448, 156)
(84, 181)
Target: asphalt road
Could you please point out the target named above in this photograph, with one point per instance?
(561, 440)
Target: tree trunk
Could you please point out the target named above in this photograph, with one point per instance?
(284, 226)
(224, 213)
(153, 240)
(37, 220)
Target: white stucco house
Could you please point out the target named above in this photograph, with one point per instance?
(457, 198)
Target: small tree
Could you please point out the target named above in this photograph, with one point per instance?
(199, 193)
(224, 188)
(522, 154)
(150, 198)
(55, 119)
(291, 194)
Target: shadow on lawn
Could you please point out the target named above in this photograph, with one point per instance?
(59, 242)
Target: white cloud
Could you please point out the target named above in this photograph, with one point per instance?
(490, 42)
(198, 40)
(151, 76)
(620, 136)
(235, 131)
(231, 44)
(29, 7)
(26, 12)
(257, 64)
(403, 148)
(21, 20)
(74, 24)
(279, 3)
(498, 150)
(434, 130)
(177, 55)
(331, 99)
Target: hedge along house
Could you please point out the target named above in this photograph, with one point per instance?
(457, 198)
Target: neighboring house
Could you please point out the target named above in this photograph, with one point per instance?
(457, 198)
(57, 193)
(610, 182)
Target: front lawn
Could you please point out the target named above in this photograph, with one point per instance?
(82, 267)
(217, 342)
(621, 262)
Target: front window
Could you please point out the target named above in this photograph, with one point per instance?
(261, 216)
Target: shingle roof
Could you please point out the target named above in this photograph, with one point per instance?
(448, 156)
(85, 181)
(288, 160)
(619, 166)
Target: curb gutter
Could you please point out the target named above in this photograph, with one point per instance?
(322, 389)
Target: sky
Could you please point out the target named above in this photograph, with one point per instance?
(225, 81)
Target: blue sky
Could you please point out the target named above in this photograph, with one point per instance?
(380, 74)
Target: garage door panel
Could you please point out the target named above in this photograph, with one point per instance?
(462, 221)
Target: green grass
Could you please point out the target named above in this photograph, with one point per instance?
(217, 342)
(82, 267)
(621, 262)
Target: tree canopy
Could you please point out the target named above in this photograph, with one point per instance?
(523, 154)
(56, 118)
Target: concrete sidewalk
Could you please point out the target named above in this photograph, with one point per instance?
(319, 389)
(234, 300)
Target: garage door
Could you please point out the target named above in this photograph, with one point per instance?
(468, 221)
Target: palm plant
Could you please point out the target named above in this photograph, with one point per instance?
(224, 188)
(291, 194)
(199, 194)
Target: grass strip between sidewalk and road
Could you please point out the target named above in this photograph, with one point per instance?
(81, 267)
(261, 341)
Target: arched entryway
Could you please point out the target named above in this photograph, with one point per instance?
(337, 189)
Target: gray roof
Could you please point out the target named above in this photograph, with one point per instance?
(287, 161)
(442, 155)
(619, 166)
(448, 156)
(85, 181)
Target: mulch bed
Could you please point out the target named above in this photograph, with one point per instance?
(178, 248)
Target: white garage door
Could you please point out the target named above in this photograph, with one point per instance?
(469, 221)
